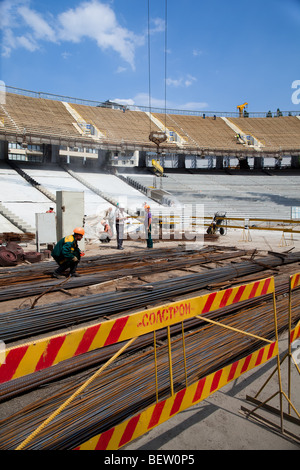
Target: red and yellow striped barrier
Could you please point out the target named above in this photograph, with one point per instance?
(295, 333)
(294, 283)
(44, 353)
(295, 280)
(160, 412)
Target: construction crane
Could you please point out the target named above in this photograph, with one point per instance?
(241, 108)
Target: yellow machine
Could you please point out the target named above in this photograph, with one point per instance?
(241, 108)
(158, 169)
(158, 138)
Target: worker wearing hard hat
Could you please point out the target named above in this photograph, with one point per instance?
(67, 253)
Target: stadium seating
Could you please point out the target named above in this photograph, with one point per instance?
(250, 196)
(114, 128)
(118, 126)
(237, 195)
(208, 133)
(37, 116)
(274, 133)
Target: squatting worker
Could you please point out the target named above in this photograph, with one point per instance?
(67, 253)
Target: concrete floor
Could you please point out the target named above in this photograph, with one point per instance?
(218, 423)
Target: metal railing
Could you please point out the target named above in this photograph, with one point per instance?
(71, 99)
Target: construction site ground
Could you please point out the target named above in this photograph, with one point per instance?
(217, 423)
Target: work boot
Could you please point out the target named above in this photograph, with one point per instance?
(57, 276)
(75, 275)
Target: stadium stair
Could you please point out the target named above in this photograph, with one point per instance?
(32, 181)
(111, 200)
(243, 139)
(15, 220)
(81, 125)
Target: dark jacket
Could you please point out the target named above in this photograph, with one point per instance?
(66, 249)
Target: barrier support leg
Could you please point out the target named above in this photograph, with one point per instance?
(184, 355)
(170, 362)
(282, 240)
(280, 392)
(155, 366)
(246, 237)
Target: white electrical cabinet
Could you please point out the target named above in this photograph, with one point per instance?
(45, 229)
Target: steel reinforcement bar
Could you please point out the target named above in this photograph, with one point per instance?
(23, 323)
(46, 352)
(121, 405)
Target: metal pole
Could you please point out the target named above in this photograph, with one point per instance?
(184, 355)
(170, 362)
(278, 362)
(155, 365)
(289, 343)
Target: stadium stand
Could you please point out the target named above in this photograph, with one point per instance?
(282, 132)
(84, 135)
(115, 188)
(239, 195)
(28, 119)
(21, 198)
(37, 117)
(208, 133)
(117, 126)
(54, 178)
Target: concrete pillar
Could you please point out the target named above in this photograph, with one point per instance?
(295, 161)
(193, 161)
(136, 158)
(181, 161)
(54, 154)
(142, 160)
(244, 165)
(219, 163)
(3, 150)
(258, 163)
(101, 157)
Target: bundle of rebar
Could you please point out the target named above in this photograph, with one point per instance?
(128, 386)
(23, 323)
(28, 282)
(78, 363)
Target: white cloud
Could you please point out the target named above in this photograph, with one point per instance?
(65, 55)
(189, 80)
(197, 52)
(97, 21)
(121, 69)
(175, 83)
(17, 16)
(27, 42)
(9, 18)
(194, 105)
(142, 99)
(159, 25)
(90, 19)
(125, 102)
(39, 26)
(181, 82)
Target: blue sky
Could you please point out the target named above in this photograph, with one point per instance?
(218, 53)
